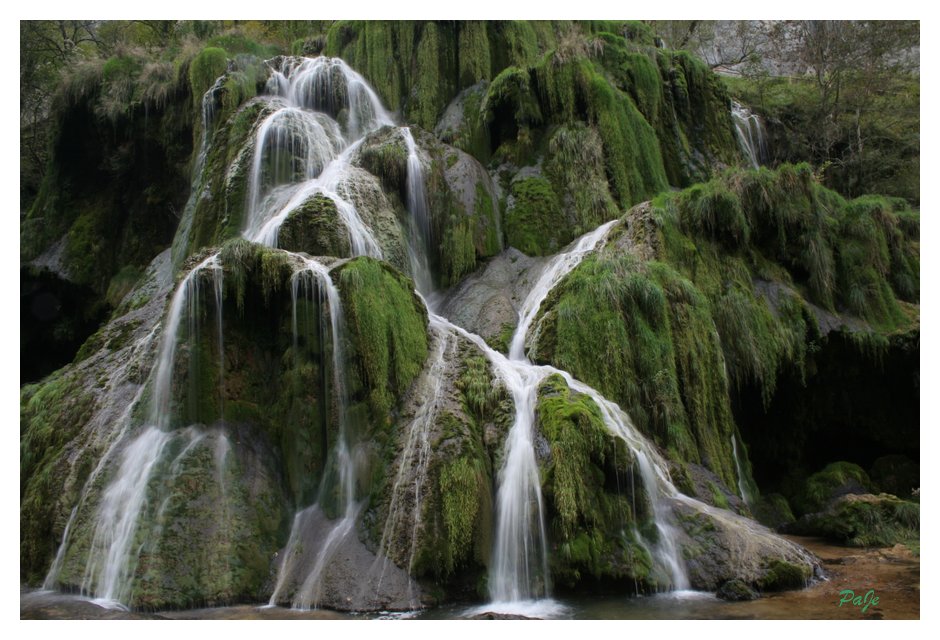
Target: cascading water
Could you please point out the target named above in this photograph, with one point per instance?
(409, 489)
(419, 227)
(751, 134)
(208, 111)
(300, 144)
(112, 558)
(302, 148)
(341, 483)
(744, 489)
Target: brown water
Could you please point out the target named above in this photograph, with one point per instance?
(893, 574)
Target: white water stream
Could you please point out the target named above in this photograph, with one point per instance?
(751, 134)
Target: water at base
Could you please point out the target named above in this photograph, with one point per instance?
(544, 609)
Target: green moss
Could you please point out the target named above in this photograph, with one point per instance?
(389, 162)
(460, 486)
(718, 498)
(881, 521)
(575, 430)
(783, 576)
(834, 479)
(660, 355)
(534, 219)
(52, 413)
(713, 211)
(315, 228)
(458, 254)
(246, 262)
(587, 484)
(576, 166)
(387, 324)
(482, 396)
(473, 52)
(205, 68)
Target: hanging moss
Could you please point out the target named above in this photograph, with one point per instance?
(587, 485)
(205, 68)
(387, 324)
(473, 53)
(534, 221)
(460, 486)
(458, 256)
(660, 357)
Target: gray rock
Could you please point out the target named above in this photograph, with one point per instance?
(489, 300)
(719, 546)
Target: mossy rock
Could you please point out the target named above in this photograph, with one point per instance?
(835, 480)
(314, 228)
(387, 326)
(535, 223)
(736, 591)
(586, 475)
(783, 576)
(865, 521)
(773, 510)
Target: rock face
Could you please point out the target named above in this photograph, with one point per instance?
(487, 303)
(722, 546)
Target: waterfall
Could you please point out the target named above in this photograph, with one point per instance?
(520, 565)
(519, 576)
(112, 558)
(743, 487)
(208, 112)
(343, 463)
(751, 134)
(322, 112)
(419, 223)
(301, 149)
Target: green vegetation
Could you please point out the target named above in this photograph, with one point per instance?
(671, 322)
(585, 485)
(783, 576)
(387, 324)
(836, 479)
(52, 414)
(867, 521)
(746, 301)
(315, 228)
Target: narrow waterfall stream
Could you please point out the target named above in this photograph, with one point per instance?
(751, 134)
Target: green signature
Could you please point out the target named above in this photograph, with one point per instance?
(868, 600)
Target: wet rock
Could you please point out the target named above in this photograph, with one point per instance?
(488, 301)
(772, 510)
(340, 582)
(719, 546)
(492, 615)
(736, 591)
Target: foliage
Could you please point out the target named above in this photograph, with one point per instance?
(388, 325)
